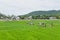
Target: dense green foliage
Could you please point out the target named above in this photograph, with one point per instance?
(21, 30)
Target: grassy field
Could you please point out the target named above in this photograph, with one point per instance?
(21, 30)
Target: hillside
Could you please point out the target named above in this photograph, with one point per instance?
(50, 12)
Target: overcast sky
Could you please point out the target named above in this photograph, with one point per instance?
(21, 7)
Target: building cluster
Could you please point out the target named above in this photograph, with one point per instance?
(18, 18)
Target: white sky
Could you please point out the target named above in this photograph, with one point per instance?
(20, 7)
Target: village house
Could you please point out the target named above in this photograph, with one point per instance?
(30, 17)
(52, 18)
(15, 18)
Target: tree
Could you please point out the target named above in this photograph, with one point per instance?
(2, 16)
(21, 17)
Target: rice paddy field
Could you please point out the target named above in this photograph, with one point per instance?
(22, 30)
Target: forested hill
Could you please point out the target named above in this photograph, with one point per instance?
(51, 12)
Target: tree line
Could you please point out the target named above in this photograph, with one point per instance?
(2, 16)
(41, 16)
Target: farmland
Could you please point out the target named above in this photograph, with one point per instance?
(22, 30)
